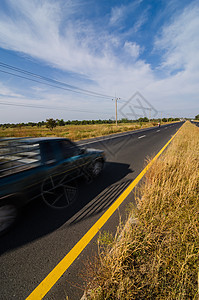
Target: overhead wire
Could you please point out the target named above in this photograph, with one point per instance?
(52, 83)
(59, 87)
(56, 83)
(48, 107)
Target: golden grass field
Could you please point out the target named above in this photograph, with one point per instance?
(73, 132)
(155, 255)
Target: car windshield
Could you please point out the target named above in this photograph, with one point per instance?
(68, 149)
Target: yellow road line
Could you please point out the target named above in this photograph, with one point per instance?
(43, 288)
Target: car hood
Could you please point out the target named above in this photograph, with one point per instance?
(89, 150)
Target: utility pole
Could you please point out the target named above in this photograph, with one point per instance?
(116, 99)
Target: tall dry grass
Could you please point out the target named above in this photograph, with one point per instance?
(156, 254)
(74, 132)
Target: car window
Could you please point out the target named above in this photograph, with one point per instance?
(47, 151)
(68, 149)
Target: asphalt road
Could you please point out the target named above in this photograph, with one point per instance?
(43, 236)
(195, 123)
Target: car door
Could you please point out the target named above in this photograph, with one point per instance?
(59, 187)
(71, 158)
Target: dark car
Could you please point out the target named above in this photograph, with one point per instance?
(46, 167)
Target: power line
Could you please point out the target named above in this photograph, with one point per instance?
(57, 108)
(49, 79)
(49, 107)
(62, 88)
(55, 84)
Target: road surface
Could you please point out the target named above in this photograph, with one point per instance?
(44, 236)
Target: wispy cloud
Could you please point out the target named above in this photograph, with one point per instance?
(179, 40)
(6, 91)
(132, 48)
(74, 48)
(117, 14)
(52, 33)
(120, 13)
(35, 29)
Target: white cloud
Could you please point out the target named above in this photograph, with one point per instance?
(143, 17)
(132, 48)
(39, 32)
(5, 91)
(180, 40)
(120, 13)
(45, 104)
(34, 29)
(45, 31)
(117, 14)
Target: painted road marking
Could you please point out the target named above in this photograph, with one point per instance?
(140, 137)
(109, 138)
(105, 139)
(157, 130)
(49, 281)
(116, 136)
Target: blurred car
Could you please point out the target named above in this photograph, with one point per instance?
(47, 167)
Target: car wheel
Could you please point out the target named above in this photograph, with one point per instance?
(8, 216)
(59, 193)
(97, 168)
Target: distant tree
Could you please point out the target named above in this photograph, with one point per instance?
(39, 124)
(75, 122)
(32, 124)
(145, 119)
(60, 122)
(51, 123)
(164, 120)
(197, 117)
(124, 120)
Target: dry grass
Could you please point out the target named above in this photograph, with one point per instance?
(157, 257)
(74, 132)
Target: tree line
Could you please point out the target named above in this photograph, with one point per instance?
(51, 123)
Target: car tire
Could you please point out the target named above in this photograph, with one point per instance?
(57, 193)
(97, 168)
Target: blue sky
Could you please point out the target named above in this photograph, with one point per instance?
(114, 48)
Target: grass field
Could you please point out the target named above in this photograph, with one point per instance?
(74, 132)
(155, 255)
